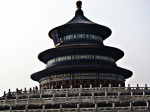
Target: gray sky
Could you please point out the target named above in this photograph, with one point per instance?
(24, 26)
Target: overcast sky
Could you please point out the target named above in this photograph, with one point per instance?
(24, 27)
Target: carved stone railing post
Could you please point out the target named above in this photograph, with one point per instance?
(9, 92)
(96, 108)
(119, 88)
(137, 88)
(4, 93)
(52, 90)
(146, 87)
(106, 97)
(129, 88)
(66, 98)
(144, 97)
(43, 108)
(131, 107)
(10, 109)
(28, 101)
(100, 87)
(110, 88)
(81, 89)
(5, 96)
(53, 99)
(60, 108)
(26, 109)
(16, 96)
(78, 107)
(80, 97)
(119, 85)
(93, 97)
(25, 90)
(147, 105)
(132, 97)
(119, 97)
(41, 96)
(91, 89)
(113, 107)
(71, 89)
(61, 89)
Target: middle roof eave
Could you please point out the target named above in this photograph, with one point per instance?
(80, 49)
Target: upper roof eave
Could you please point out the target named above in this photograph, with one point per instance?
(83, 24)
(88, 28)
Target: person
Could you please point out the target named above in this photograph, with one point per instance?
(36, 88)
(30, 89)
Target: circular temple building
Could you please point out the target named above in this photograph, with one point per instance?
(81, 75)
(80, 57)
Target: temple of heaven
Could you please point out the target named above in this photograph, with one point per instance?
(81, 75)
(80, 57)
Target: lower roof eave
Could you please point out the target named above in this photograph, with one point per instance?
(48, 72)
